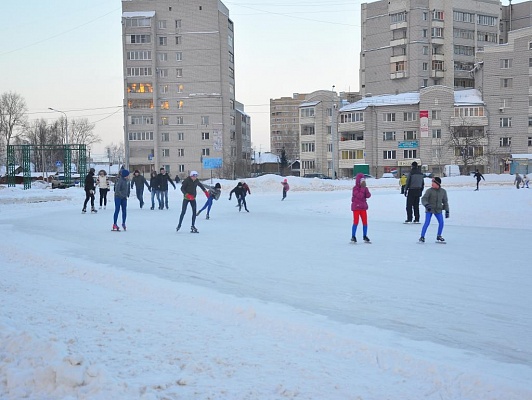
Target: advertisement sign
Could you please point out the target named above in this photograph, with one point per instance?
(212, 163)
(424, 123)
(408, 144)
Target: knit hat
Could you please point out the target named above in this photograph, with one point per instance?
(125, 173)
(437, 180)
(193, 173)
(414, 164)
(218, 186)
(285, 180)
(136, 171)
(92, 170)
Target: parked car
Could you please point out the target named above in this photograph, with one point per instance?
(428, 174)
(368, 176)
(388, 175)
(320, 176)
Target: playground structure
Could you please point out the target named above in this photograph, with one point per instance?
(48, 156)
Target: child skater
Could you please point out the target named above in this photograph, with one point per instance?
(359, 206)
(435, 201)
(286, 188)
(214, 194)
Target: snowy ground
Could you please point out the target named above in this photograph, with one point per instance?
(271, 304)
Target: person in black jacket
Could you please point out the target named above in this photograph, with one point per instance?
(240, 193)
(413, 191)
(139, 181)
(478, 177)
(154, 189)
(163, 179)
(188, 188)
(89, 191)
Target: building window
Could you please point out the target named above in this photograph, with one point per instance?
(307, 147)
(436, 133)
(178, 23)
(424, 33)
(436, 115)
(163, 40)
(307, 164)
(141, 120)
(138, 71)
(181, 168)
(436, 32)
(144, 103)
(389, 154)
(388, 136)
(529, 141)
(165, 136)
(437, 65)
(398, 66)
(162, 56)
(410, 135)
(505, 142)
(463, 16)
(181, 152)
(307, 130)
(425, 50)
(398, 17)
(505, 122)
(204, 120)
(463, 33)
(505, 63)
(136, 136)
(139, 39)
(139, 22)
(410, 116)
(425, 83)
(352, 154)
(425, 66)
(139, 55)
(164, 121)
(165, 105)
(179, 40)
(180, 104)
(162, 73)
(351, 117)
(507, 102)
(180, 136)
(529, 120)
(409, 154)
(388, 117)
(165, 152)
(436, 153)
(487, 37)
(205, 152)
(139, 88)
(464, 50)
(179, 72)
(425, 16)
(180, 88)
(163, 89)
(437, 15)
(180, 121)
(469, 111)
(179, 56)
(486, 20)
(205, 136)
(307, 112)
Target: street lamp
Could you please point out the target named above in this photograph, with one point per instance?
(66, 122)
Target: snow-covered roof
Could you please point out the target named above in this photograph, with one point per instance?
(467, 97)
(522, 156)
(138, 14)
(383, 100)
(265, 158)
(309, 104)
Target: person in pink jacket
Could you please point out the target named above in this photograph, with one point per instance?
(359, 206)
(286, 188)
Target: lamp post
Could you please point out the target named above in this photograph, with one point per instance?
(66, 122)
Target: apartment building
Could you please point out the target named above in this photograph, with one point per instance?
(241, 143)
(413, 44)
(179, 87)
(435, 126)
(503, 75)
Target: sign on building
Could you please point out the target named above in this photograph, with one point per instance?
(424, 123)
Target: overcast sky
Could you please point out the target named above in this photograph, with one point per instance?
(67, 54)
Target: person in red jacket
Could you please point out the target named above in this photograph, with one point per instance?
(286, 188)
(188, 188)
(359, 206)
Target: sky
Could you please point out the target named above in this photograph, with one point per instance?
(67, 55)
(271, 304)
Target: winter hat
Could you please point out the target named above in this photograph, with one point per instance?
(193, 173)
(285, 180)
(437, 180)
(92, 170)
(218, 186)
(136, 171)
(414, 164)
(125, 173)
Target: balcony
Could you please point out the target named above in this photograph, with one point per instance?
(398, 42)
(469, 121)
(351, 144)
(437, 73)
(398, 75)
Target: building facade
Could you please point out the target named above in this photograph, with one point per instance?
(436, 126)
(413, 44)
(504, 77)
(179, 87)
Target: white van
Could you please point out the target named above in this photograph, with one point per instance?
(451, 170)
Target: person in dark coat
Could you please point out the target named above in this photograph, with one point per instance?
(164, 178)
(188, 188)
(89, 191)
(121, 195)
(139, 181)
(240, 195)
(413, 191)
(478, 177)
(154, 189)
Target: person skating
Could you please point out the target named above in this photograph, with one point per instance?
(214, 194)
(413, 191)
(154, 189)
(526, 181)
(518, 180)
(121, 195)
(435, 202)
(359, 207)
(102, 182)
(163, 179)
(239, 192)
(286, 188)
(188, 188)
(402, 183)
(89, 191)
(139, 181)
(478, 177)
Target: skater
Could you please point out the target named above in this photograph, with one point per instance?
(435, 201)
(286, 188)
(478, 176)
(402, 183)
(89, 191)
(103, 184)
(154, 189)
(413, 191)
(518, 180)
(525, 181)
(188, 188)
(359, 206)
(177, 179)
(164, 178)
(240, 195)
(245, 192)
(214, 194)
(139, 181)
(121, 195)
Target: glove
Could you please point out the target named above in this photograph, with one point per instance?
(428, 208)
(189, 196)
(207, 194)
(446, 214)
(91, 191)
(406, 193)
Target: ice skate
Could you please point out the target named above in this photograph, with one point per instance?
(421, 240)
(116, 228)
(193, 229)
(440, 239)
(367, 240)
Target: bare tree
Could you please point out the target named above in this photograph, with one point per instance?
(116, 153)
(12, 115)
(468, 143)
(81, 132)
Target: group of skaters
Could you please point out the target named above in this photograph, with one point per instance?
(434, 200)
(521, 182)
(158, 187)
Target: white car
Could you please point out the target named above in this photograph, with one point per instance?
(388, 175)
